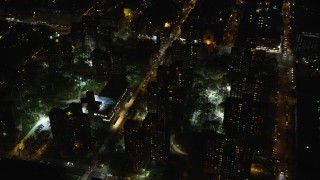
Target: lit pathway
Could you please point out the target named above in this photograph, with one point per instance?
(175, 148)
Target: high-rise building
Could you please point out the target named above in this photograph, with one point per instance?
(254, 85)
(214, 147)
(113, 19)
(59, 130)
(171, 105)
(152, 92)
(257, 58)
(117, 62)
(80, 128)
(59, 54)
(261, 25)
(159, 142)
(159, 137)
(178, 102)
(140, 151)
(163, 106)
(232, 116)
(244, 118)
(100, 62)
(307, 128)
(70, 129)
(237, 84)
(236, 160)
(307, 43)
(174, 82)
(239, 62)
(131, 127)
(136, 145)
(178, 51)
(191, 28)
(196, 51)
(306, 13)
(84, 36)
(180, 76)
(162, 73)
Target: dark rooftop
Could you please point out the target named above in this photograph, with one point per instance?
(20, 169)
(115, 87)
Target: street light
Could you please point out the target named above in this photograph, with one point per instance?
(20, 148)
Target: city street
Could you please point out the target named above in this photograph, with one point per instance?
(156, 61)
(284, 138)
